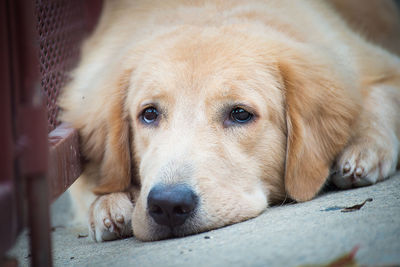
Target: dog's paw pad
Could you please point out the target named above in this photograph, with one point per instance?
(363, 164)
(110, 217)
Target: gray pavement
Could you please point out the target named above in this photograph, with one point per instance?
(290, 235)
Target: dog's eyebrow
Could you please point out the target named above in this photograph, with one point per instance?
(231, 104)
(154, 99)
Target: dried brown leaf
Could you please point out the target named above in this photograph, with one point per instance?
(356, 207)
(346, 260)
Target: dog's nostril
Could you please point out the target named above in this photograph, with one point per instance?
(181, 210)
(171, 205)
(155, 209)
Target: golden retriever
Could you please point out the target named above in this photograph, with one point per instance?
(198, 114)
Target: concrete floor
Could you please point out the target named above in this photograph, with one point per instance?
(307, 233)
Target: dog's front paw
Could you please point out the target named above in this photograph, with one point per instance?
(365, 163)
(110, 217)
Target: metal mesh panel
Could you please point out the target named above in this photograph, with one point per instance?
(62, 25)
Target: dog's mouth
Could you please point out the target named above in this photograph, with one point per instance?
(166, 232)
(154, 231)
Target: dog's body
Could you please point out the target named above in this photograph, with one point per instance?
(205, 112)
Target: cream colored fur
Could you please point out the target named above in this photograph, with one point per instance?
(324, 99)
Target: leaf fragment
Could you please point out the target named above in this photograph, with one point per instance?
(346, 260)
(356, 207)
(82, 235)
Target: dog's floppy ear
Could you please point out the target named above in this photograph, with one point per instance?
(115, 165)
(95, 105)
(320, 109)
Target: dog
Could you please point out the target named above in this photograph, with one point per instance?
(195, 115)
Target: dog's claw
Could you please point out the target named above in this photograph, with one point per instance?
(120, 219)
(107, 222)
(346, 168)
(359, 171)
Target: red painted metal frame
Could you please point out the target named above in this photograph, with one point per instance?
(30, 126)
(35, 167)
(8, 220)
(65, 160)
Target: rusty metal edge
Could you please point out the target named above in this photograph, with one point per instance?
(64, 159)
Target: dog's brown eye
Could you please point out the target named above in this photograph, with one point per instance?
(241, 115)
(149, 115)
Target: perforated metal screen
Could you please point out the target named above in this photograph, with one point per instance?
(62, 25)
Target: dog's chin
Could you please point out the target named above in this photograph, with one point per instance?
(154, 232)
(164, 232)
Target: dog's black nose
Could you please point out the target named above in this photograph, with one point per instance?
(171, 205)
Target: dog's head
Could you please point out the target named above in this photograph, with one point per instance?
(216, 124)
